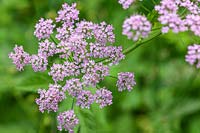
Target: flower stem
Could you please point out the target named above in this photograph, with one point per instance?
(53, 40)
(72, 104)
(145, 8)
(132, 48)
(79, 129)
(112, 77)
(153, 2)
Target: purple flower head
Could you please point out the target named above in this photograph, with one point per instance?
(192, 21)
(103, 33)
(64, 32)
(126, 3)
(85, 29)
(167, 6)
(63, 49)
(20, 58)
(125, 81)
(171, 20)
(68, 14)
(44, 28)
(113, 54)
(39, 63)
(72, 68)
(50, 98)
(77, 45)
(67, 120)
(103, 97)
(93, 72)
(191, 6)
(193, 55)
(85, 99)
(46, 48)
(58, 72)
(73, 87)
(136, 27)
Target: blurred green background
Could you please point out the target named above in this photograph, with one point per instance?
(166, 98)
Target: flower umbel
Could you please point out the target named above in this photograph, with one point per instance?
(103, 97)
(77, 58)
(50, 98)
(20, 57)
(126, 3)
(136, 27)
(125, 81)
(67, 120)
(44, 28)
(193, 55)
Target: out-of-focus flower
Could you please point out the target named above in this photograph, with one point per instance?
(192, 21)
(136, 27)
(193, 55)
(126, 3)
(170, 18)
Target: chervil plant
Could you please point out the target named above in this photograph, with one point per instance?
(78, 54)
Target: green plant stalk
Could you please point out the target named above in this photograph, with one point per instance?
(112, 77)
(53, 40)
(133, 47)
(72, 104)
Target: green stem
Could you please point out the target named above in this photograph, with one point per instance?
(53, 40)
(133, 47)
(79, 129)
(72, 104)
(153, 2)
(112, 77)
(146, 9)
(191, 79)
(158, 28)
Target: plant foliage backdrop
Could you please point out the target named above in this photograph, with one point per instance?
(166, 98)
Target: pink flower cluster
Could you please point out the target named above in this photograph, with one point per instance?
(125, 81)
(44, 28)
(193, 55)
(67, 120)
(78, 58)
(170, 18)
(50, 98)
(136, 27)
(126, 3)
(20, 57)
